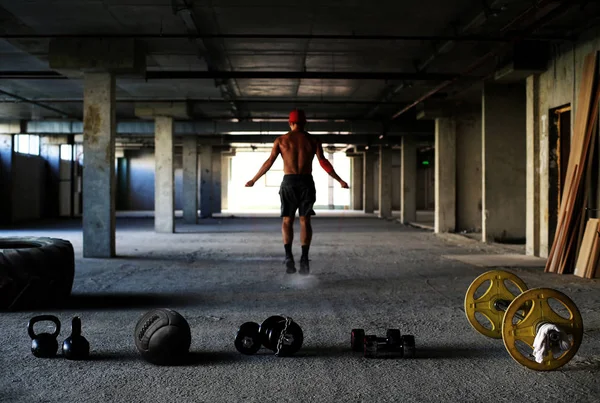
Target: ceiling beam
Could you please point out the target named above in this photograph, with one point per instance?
(202, 128)
(356, 139)
(207, 51)
(532, 27)
(278, 101)
(224, 75)
(333, 37)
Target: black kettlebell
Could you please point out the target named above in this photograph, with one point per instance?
(44, 345)
(76, 347)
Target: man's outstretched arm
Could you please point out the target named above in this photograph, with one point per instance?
(326, 165)
(267, 164)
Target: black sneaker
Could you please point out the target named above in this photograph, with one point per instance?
(290, 268)
(304, 267)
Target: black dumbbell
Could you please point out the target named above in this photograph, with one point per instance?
(373, 347)
(247, 340)
(393, 339)
(251, 336)
(408, 346)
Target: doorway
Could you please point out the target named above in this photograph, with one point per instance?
(560, 148)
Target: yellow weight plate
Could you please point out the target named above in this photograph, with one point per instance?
(484, 305)
(539, 312)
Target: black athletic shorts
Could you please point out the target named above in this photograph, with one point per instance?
(297, 192)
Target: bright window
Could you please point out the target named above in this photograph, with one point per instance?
(66, 152)
(27, 144)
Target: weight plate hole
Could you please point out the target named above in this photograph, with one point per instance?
(559, 308)
(483, 287)
(524, 349)
(484, 321)
(512, 287)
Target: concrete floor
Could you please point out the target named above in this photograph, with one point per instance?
(366, 272)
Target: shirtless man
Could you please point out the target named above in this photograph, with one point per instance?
(297, 191)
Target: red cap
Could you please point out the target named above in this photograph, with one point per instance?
(297, 116)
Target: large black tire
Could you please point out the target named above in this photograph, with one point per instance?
(35, 272)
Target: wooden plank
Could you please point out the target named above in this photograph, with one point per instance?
(589, 238)
(579, 171)
(559, 235)
(580, 205)
(589, 270)
(574, 168)
(582, 113)
(593, 261)
(570, 251)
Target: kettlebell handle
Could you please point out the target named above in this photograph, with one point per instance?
(42, 318)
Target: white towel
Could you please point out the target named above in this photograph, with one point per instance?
(542, 343)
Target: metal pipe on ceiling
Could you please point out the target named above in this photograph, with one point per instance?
(36, 103)
(559, 10)
(337, 37)
(446, 45)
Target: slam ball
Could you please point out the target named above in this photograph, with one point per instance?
(163, 337)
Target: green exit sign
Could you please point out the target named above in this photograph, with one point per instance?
(425, 163)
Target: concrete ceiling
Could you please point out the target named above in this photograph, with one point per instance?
(278, 37)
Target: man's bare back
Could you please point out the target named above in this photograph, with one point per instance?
(298, 150)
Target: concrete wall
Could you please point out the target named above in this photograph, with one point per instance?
(28, 189)
(556, 87)
(6, 156)
(396, 182)
(139, 183)
(504, 153)
(468, 172)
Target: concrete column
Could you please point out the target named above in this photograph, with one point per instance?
(357, 182)
(385, 182)
(6, 154)
(532, 211)
(216, 182)
(330, 180)
(164, 189)
(206, 181)
(190, 179)
(545, 236)
(99, 126)
(504, 162)
(445, 175)
(468, 170)
(225, 161)
(368, 182)
(408, 180)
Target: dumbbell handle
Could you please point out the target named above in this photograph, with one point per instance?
(502, 305)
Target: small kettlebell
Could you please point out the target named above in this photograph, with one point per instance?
(44, 345)
(76, 347)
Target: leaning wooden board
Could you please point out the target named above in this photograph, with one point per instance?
(578, 210)
(577, 158)
(585, 251)
(580, 202)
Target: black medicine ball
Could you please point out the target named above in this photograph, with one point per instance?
(163, 336)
